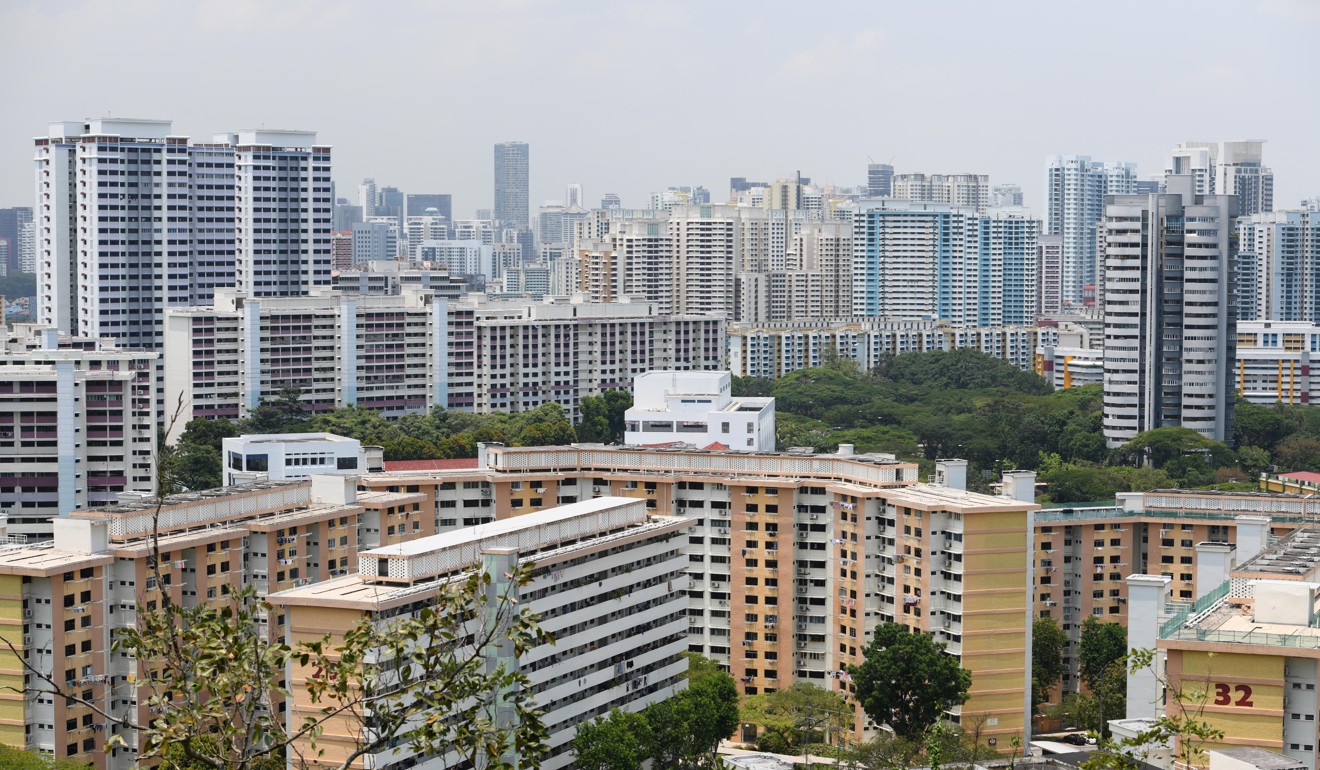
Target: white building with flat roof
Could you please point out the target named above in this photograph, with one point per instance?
(290, 456)
(698, 408)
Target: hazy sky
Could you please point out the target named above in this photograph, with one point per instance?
(633, 97)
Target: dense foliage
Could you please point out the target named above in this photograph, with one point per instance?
(679, 733)
(18, 759)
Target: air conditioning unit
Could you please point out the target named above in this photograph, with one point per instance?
(813, 517)
(27, 641)
(803, 571)
(724, 602)
(27, 613)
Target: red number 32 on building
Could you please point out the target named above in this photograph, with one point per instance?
(1224, 695)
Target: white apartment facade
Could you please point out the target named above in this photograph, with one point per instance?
(404, 353)
(132, 220)
(78, 426)
(932, 260)
(1278, 266)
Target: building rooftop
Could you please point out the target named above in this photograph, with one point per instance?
(290, 438)
(1261, 758)
(457, 463)
(1310, 477)
(1296, 554)
(931, 497)
(422, 566)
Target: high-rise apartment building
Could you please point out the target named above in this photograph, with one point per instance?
(1075, 190)
(282, 212)
(1278, 266)
(1169, 320)
(77, 425)
(341, 250)
(954, 189)
(134, 220)
(372, 241)
(611, 201)
(1005, 195)
(1227, 168)
(948, 263)
(879, 180)
(511, 185)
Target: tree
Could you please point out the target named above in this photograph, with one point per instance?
(907, 680)
(686, 729)
(282, 414)
(1102, 645)
(619, 741)
(753, 387)
(1161, 446)
(1047, 645)
(1298, 453)
(617, 404)
(18, 759)
(799, 716)
(594, 427)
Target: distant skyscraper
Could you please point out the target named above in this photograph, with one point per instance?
(879, 180)
(27, 247)
(611, 201)
(573, 195)
(389, 203)
(1075, 189)
(372, 242)
(1169, 323)
(367, 197)
(1227, 168)
(341, 250)
(443, 203)
(345, 216)
(11, 229)
(512, 164)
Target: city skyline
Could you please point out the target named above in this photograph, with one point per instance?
(489, 99)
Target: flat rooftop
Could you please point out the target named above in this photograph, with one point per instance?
(932, 497)
(1297, 554)
(1261, 758)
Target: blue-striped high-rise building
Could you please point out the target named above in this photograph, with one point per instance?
(931, 260)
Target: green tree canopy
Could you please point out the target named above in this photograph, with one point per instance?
(619, 741)
(798, 716)
(1048, 642)
(1101, 646)
(908, 681)
(18, 759)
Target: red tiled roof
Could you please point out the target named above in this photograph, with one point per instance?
(430, 465)
(1311, 477)
(717, 446)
